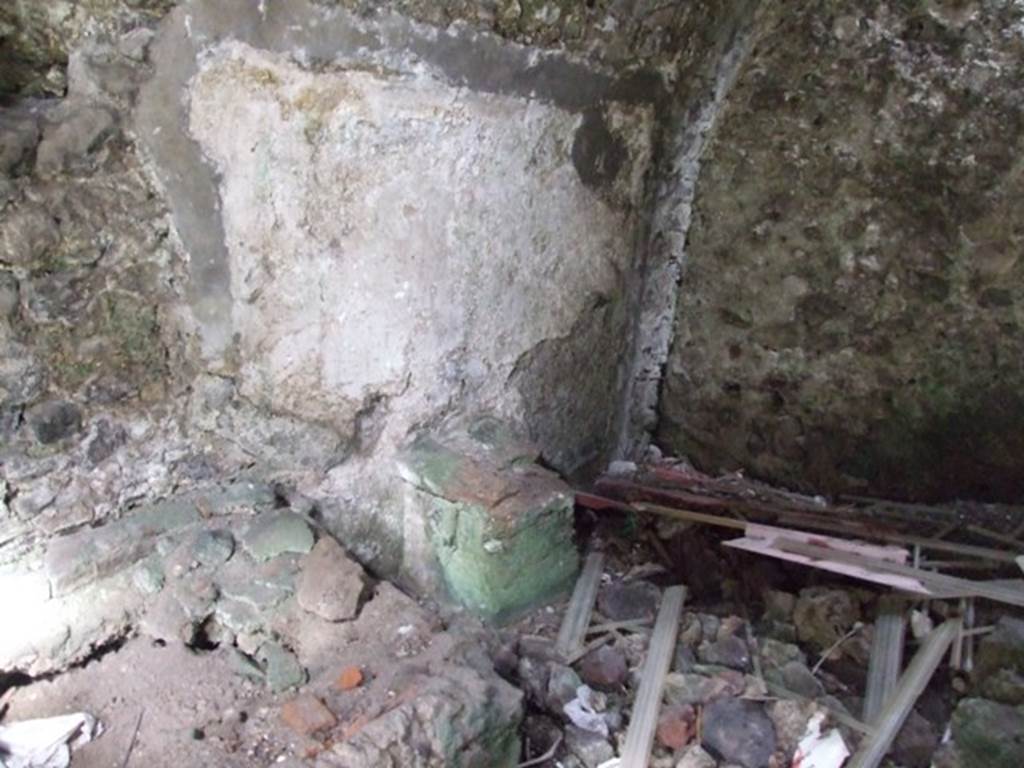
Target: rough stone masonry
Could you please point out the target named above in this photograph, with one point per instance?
(271, 246)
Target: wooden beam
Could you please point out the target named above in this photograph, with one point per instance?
(950, 585)
(577, 615)
(886, 662)
(909, 688)
(969, 550)
(640, 737)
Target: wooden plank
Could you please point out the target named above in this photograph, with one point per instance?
(886, 662)
(968, 550)
(909, 688)
(599, 503)
(577, 615)
(874, 551)
(693, 517)
(771, 548)
(640, 737)
(949, 585)
(999, 538)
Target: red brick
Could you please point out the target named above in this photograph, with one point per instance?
(306, 715)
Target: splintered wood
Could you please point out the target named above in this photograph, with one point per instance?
(577, 616)
(909, 688)
(644, 721)
(886, 660)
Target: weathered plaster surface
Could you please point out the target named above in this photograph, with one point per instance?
(850, 311)
(388, 226)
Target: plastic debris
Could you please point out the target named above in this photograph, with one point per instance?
(820, 750)
(582, 713)
(46, 743)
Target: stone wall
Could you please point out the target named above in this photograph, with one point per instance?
(206, 279)
(850, 309)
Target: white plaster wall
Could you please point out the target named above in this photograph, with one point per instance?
(395, 237)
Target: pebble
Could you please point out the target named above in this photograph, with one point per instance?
(626, 601)
(739, 732)
(604, 668)
(676, 726)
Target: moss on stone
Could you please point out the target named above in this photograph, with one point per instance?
(497, 574)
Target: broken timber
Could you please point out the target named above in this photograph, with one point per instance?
(935, 583)
(884, 572)
(886, 661)
(908, 690)
(640, 736)
(577, 616)
(936, 545)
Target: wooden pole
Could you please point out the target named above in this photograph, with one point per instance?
(640, 737)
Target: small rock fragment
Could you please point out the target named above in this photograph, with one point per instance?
(54, 421)
(590, 748)
(604, 668)
(563, 682)
(331, 585)
(306, 715)
(916, 742)
(213, 548)
(676, 726)
(797, 678)
(349, 679)
(731, 651)
(626, 601)
(275, 533)
(283, 670)
(989, 734)
(696, 757)
(739, 732)
(822, 616)
(779, 606)
(692, 688)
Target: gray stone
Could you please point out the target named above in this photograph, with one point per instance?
(916, 742)
(167, 620)
(693, 688)
(331, 584)
(275, 533)
(696, 757)
(245, 666)
(988, 734)
(797, 678)
(778, 606)
(148, 577)
(823, 615)
(28, 234)
(1005, 686)
(213, 548)
(454, 715)
(730, 651)
(8, 295)
(625, 601)
(282, 669)
(93, 553)
(19, 135)
(107, 438)
(78, 131)
(592, 749)
(561, 687)
(54, 421)
(739, 731)
(1003, 648)
(604, 668)
(777, 654)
